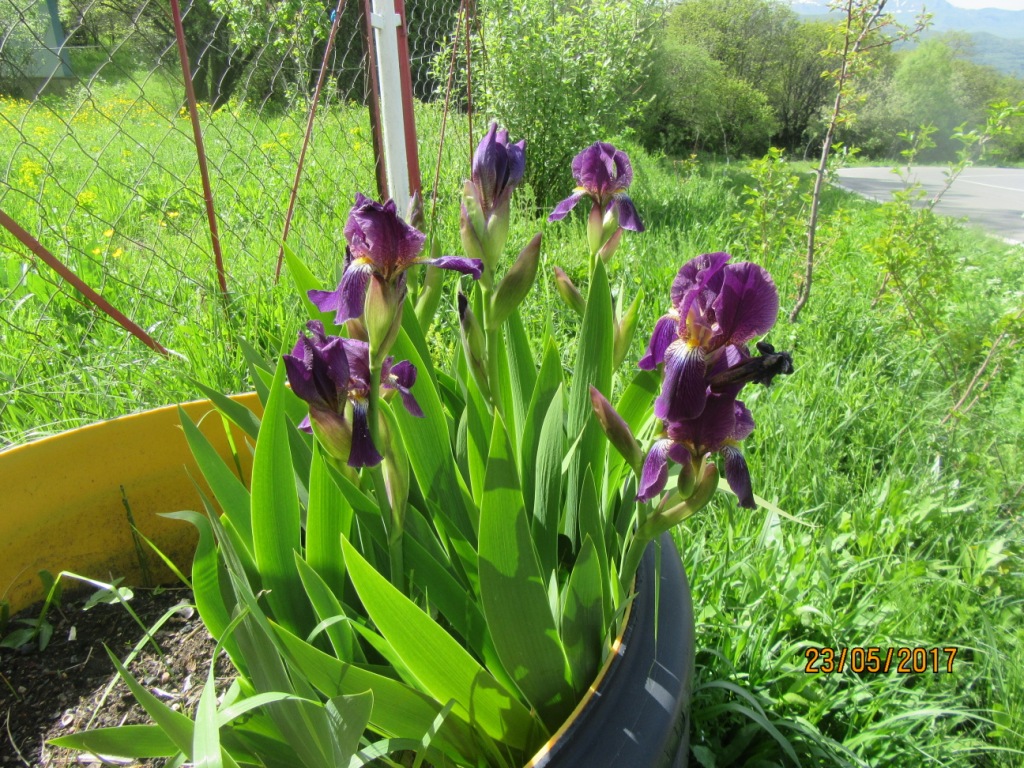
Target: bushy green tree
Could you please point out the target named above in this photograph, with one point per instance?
(935, 84)
(767, 67)
(698, 105)
(561, 75)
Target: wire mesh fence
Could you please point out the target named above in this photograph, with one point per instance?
(98, 163)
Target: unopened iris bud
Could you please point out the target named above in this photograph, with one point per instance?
(626, 328)
(473, 344)
(383, 316)
(497, 169)
(687, 480)
(706, 485)
(610, 245)
(704, 489)
(570, 293)
(396, 471)
(617, 430)
(516, 284)
(332, 431)
(595, 228)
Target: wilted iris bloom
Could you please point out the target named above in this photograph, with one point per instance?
(332, 375)
(715, 305)
(602, 173)
(721, 425)
(381, 247)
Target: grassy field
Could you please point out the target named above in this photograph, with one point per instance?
(908, 525)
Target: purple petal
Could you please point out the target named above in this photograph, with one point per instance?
(623, 171)
(348, 300)
(466, 266)
(316, 328)
(403, 374)
(744, 422)
(334, 363)
(655, 472)
(716, 425)
(401, 377)
(683, 391)
(747, 305)
(696, 272)
(738, 476)
(362, 453)
(595, 169)
(678, 453)
(300, 375)
(516, 163)
(377, 234)
(563, 208)
(602, 170)
(318, 370)
(628, 217)
(358, 355)
(666, 330)
(305, 425)
(490, 164)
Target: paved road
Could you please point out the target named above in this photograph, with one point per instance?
(991, 198)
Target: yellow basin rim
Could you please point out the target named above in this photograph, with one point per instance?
(61, 503)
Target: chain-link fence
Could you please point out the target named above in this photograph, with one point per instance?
(98, 163)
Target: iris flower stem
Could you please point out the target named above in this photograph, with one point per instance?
(643, 536)
(380, 487)
(492, 337)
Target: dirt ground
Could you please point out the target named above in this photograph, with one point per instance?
(63, 689)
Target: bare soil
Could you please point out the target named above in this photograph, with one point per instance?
(63, 688)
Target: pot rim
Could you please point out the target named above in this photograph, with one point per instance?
(594, 688)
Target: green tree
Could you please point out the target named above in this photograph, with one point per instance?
(561, 76)
(768, 59)
(698, 105)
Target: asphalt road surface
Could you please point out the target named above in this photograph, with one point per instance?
(990, 198)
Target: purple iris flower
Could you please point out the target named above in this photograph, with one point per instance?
(498, 168)
(380, 246)
(331, 373)
(715, 305)
(602, 173)
(719, 428)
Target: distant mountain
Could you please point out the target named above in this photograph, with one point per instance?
(999, 53)
(945, 17)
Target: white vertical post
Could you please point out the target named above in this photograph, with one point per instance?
(385, 22)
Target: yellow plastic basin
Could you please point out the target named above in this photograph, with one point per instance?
(61, 504)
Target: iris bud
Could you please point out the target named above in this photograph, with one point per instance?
(473, 344)
(570, 293)
(382, 315)
(617, 430)
(626, 328)
(595, 228)
(516, 284)
(333, 431)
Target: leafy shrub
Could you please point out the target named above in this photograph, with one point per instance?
(560, 75)
(699, 104)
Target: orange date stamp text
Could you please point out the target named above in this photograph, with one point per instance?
(877, 660)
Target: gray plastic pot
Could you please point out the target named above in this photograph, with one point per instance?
(639, 714)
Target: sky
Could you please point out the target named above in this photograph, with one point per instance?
(1009, 5)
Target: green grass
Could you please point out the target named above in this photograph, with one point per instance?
(910, 529)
